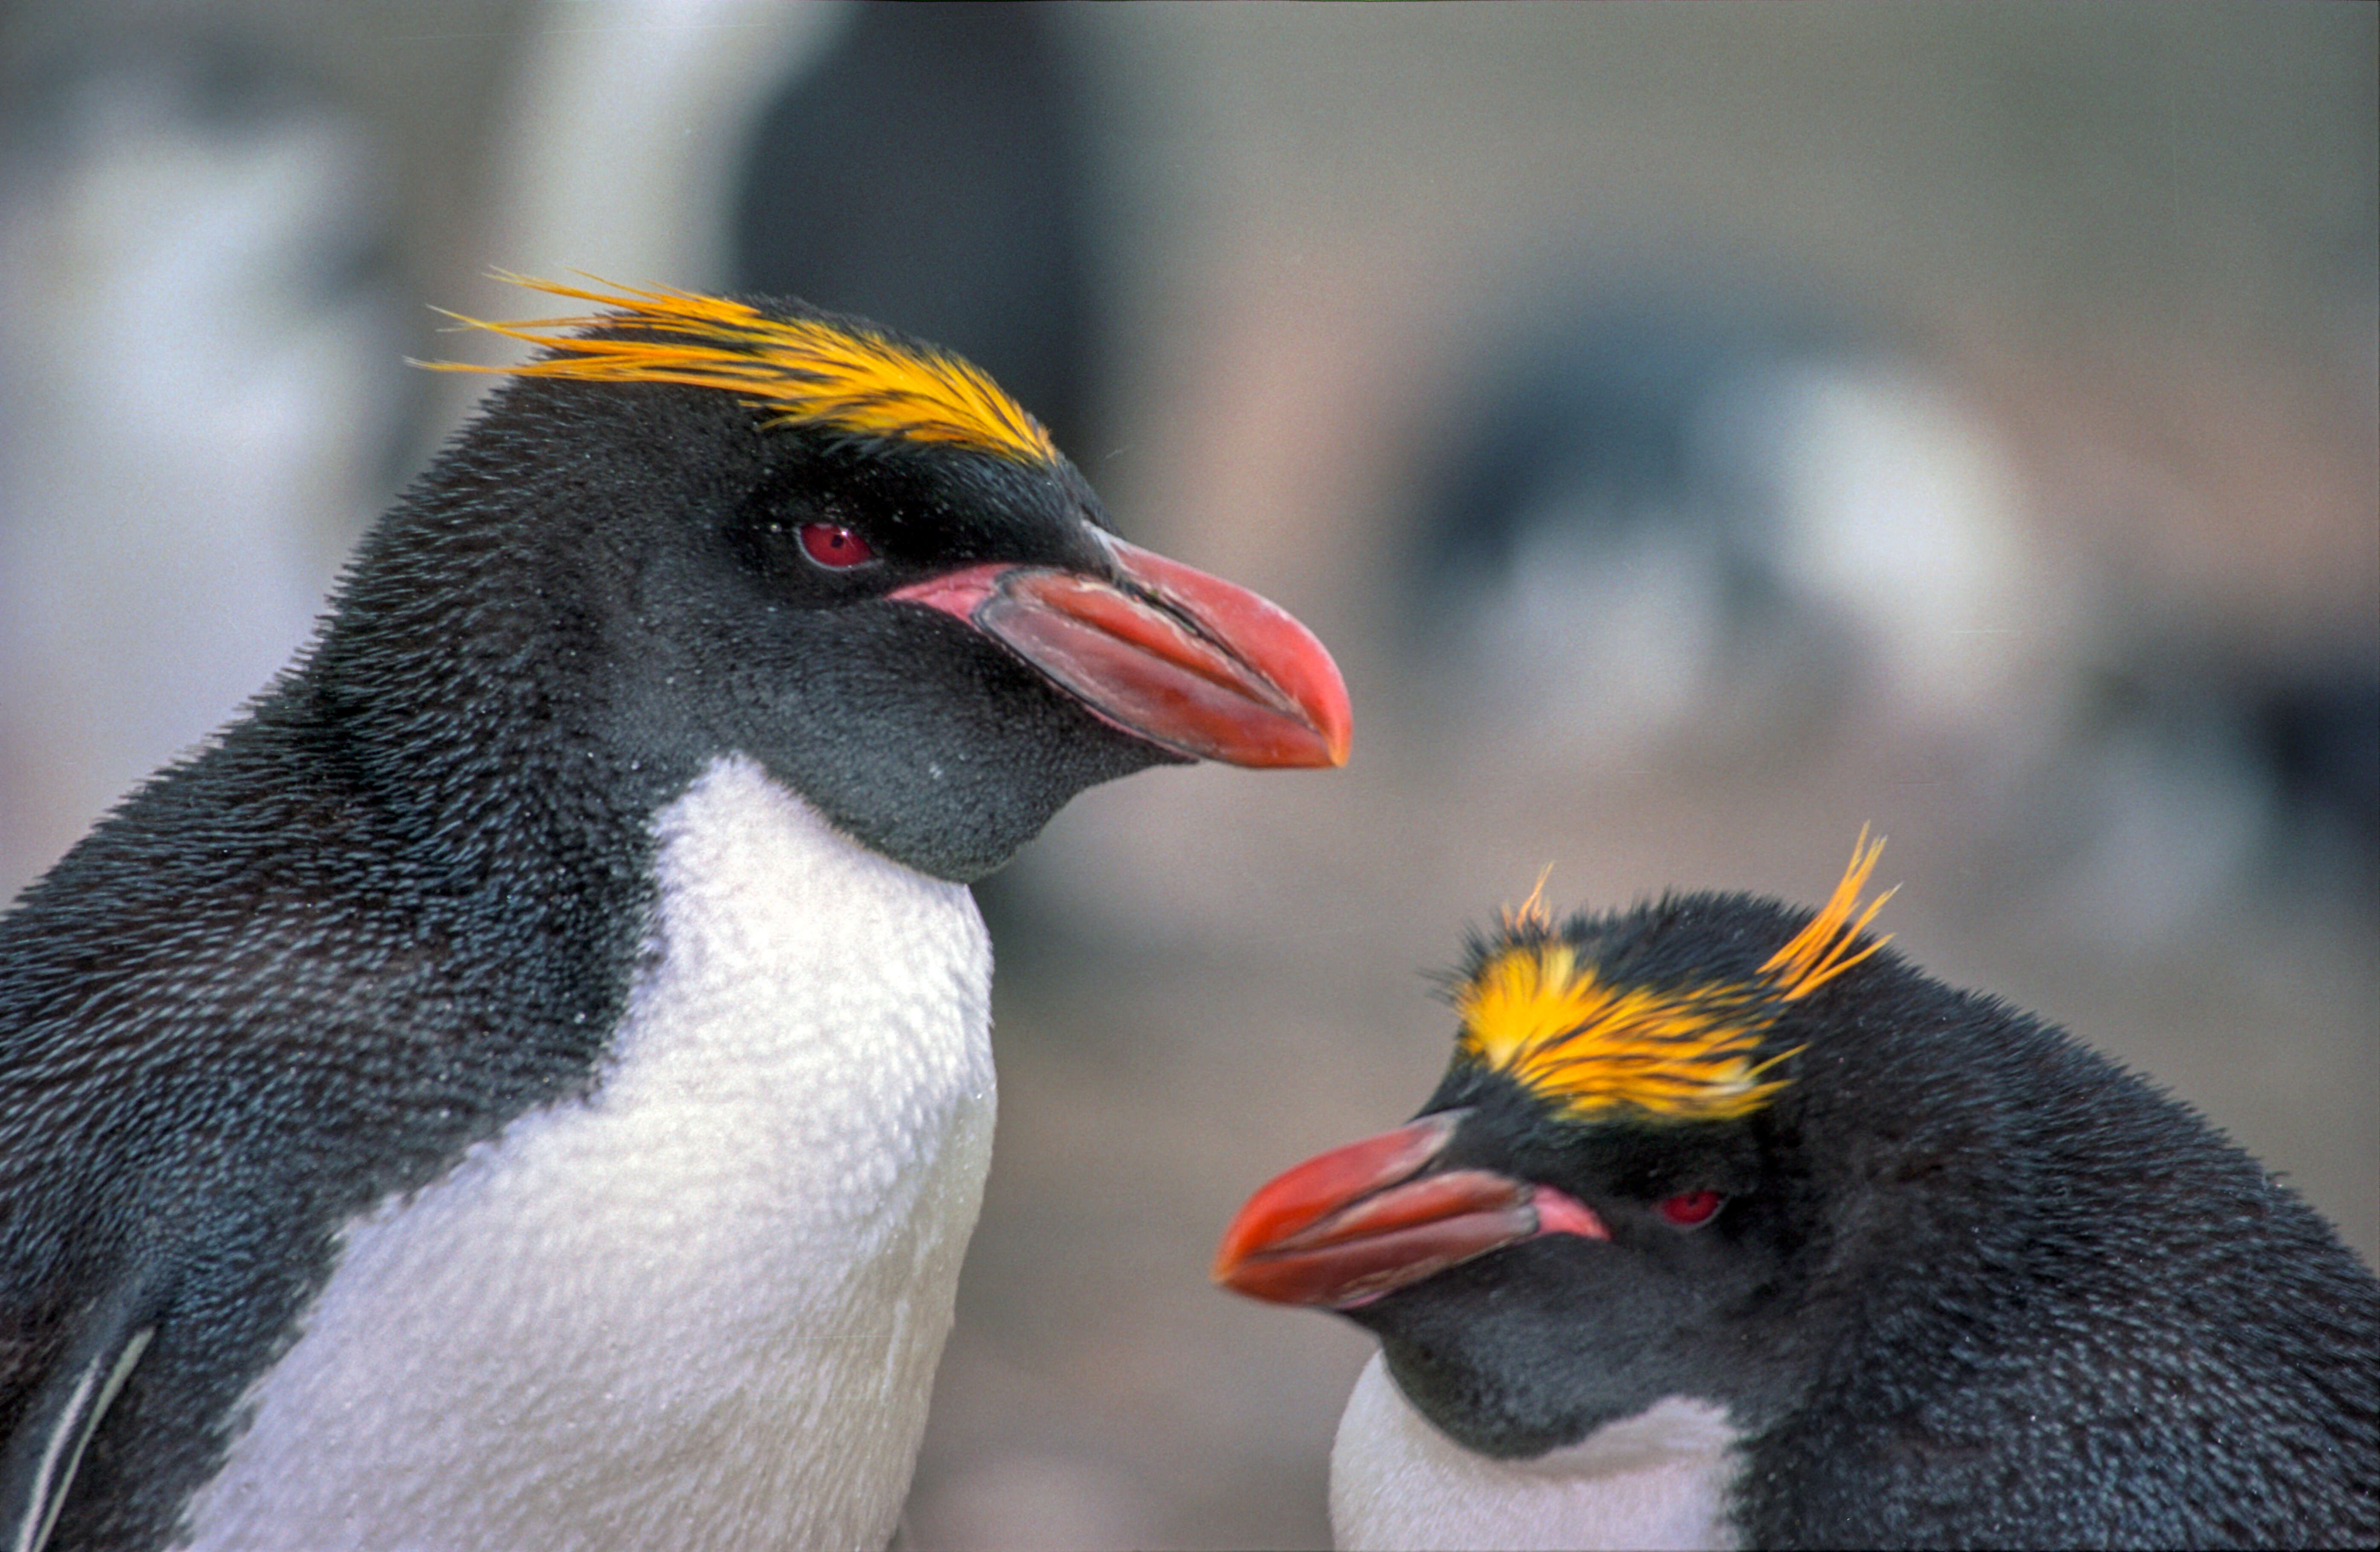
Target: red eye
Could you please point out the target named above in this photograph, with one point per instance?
(833, 546)
(1688, 1208)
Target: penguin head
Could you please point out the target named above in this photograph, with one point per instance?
(1606, 1203)
(751, 526)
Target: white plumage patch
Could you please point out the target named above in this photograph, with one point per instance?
(1657, 1480)
(702, 1308)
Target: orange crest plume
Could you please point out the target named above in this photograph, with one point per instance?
(1681, 1053)
(1822, 951)
(809, 372)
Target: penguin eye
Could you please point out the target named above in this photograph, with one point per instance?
(1688, 1208)
(835, 547)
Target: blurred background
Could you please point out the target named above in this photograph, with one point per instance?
(1698, 431)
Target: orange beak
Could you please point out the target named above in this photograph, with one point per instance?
(1350, 1225)
(1188, 662)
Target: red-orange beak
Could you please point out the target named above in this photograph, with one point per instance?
(1348, 1226)
(1187, 661)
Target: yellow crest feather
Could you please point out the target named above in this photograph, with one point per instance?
(810, 372)
(1822, 951)
(1681, 1053)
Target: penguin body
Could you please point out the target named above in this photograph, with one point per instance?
(1938, 1274)
(749, 1233)
(527, 1083)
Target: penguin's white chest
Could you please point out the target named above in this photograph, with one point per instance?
(1659, 1479)
(702, 1307)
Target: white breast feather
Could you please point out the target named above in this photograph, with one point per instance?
(702, 1308)
(1657, 1480)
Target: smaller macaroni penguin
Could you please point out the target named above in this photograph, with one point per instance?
(527, 1083)
(1728, 1226)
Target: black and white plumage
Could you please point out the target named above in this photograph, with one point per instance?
(1728, 1226)
(527, 1083)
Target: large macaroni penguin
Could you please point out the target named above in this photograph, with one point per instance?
(525, 1083)
(1728, 1226)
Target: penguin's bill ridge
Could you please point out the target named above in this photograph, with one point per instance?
(1191, 663)
(1360, 1221)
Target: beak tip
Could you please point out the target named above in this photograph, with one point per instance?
(1329, 708)
(1329, 721)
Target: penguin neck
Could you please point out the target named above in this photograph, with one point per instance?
(1662, 1478)
(701, 1305)
(464, 687)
